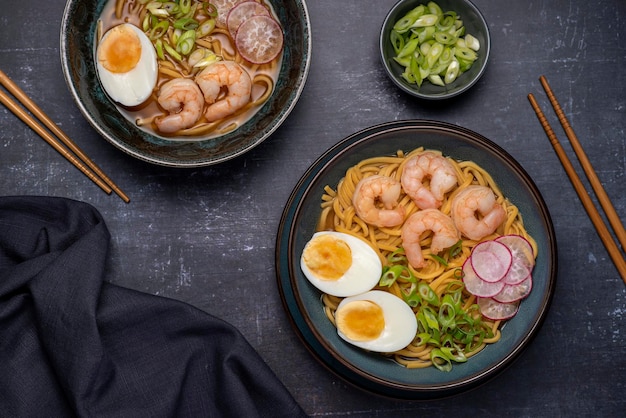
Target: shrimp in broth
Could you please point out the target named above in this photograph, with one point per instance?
(193, 44)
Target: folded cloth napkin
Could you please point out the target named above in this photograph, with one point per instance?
(72, 344)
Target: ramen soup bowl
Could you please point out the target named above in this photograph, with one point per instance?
(472, 53)
(81, 32)
(303, 302)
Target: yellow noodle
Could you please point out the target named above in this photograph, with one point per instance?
(219, 41)
(119, 7)
(269, 86)
(339, 214)
(169, 72)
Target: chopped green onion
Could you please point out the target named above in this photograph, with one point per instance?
(439, 259)
(210, 9)
(172, 51)
(159, 49)
(185, 43)
(159, 30)
(409, 48)
(472, 43)
(440, 360)
(447, 313)
(171, 7)
(426, 39)
(425, 20)
(186, 23)
(405, 23)
(428, 294)
(412, 298)
(185, 6)
(397, 41)
(398, 256)
(393, 273)
(464, 53)
(452, 72)
(434, 8)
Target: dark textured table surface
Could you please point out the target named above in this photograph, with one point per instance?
(206, 236)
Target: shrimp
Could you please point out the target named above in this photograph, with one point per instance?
(375, 200)
(220, 76)
(442, 226)
(183, 100)
(428, 165)
(476, 213)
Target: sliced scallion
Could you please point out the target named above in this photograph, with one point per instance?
(432, 45)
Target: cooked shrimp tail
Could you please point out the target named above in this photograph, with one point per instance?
(476, 212)
(375, 201)
(183, 100)
(432, 166)
(445, 234)
(225, 76)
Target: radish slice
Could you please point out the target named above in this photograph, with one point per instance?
(259, 39)
(491, 260)
(242, 12)
(513, 293)
(518, 272)
(476, 286)
(520, 248)
(495, 310)
(223, 8)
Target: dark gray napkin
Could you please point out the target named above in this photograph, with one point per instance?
(73, 344)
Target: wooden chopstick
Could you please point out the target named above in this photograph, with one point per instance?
(80, 160)
(603, 198)
(594, 215)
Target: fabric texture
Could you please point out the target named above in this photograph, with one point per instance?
(72, 344)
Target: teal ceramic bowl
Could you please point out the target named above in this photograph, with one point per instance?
(475, 25)
(78, 28)
(373, 372)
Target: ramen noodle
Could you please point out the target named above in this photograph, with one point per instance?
(185, 45)
(442, 273)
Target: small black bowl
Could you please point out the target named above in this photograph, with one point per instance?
(475, 25)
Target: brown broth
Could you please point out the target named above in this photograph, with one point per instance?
(150, 109)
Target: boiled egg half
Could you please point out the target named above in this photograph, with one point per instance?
(340, 264)
(376, 321)
(127, 64)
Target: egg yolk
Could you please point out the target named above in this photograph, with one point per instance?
(360, 320)
(120, 50)
(328, 257)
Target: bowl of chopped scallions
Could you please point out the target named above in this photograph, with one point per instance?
(434, 50)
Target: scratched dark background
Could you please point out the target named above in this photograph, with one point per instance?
(206, 236)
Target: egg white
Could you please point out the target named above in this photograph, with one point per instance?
(135, 86)
(400, 322)
(363, 274)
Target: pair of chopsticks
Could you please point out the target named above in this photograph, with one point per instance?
(61, 143)
(614, 251)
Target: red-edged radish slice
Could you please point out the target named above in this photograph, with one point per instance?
(513, 293)
(491, 260)
(523, 259)
(242, 12)
(259, 39)
(223, 7)
(520, 248)
(476, 286)
(495, 310)
(518, 272)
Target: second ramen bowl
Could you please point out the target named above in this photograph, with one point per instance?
(78, 31)
(475, 25)
(372, 371)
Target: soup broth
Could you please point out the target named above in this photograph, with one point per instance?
(217, 45)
